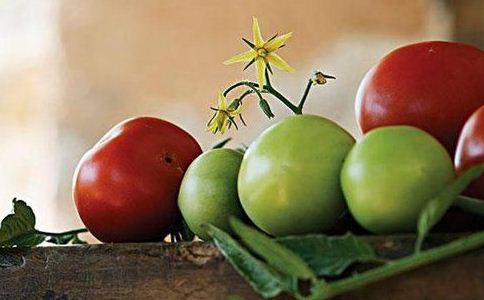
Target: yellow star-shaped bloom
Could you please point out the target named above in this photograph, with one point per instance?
(224, 115)
(263, 53)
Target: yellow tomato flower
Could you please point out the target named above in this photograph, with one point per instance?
(224, 115)
(263, 53)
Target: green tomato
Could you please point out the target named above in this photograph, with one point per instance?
(208, 192)
(289, 178)
(391, 174)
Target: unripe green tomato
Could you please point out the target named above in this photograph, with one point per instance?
(391, 174)
(289, 178)
(208, 192)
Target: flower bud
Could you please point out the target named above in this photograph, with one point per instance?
(266, 108)
(320, 78)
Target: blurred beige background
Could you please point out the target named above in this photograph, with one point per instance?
(70, 70)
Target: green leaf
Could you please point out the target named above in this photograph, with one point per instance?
(30, 239)
(260, 276)
(277, 256)
(222, 143)
(438, 206)
(17, 229)
(411, 262)
(330, 256)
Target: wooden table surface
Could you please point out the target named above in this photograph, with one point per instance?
(198, 271)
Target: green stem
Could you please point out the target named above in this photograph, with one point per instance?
(271, 90)
(246, 93)
(75, 231)
(283, 99)
(305, 95)
(268, 79)
(407, 263)
(470, 205)
(244, 83)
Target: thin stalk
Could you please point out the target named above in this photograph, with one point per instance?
(405, 264)
(271, 90)
(75, 231)
(244, 83)
(246, 93)
(470, 205)
(283, 99)
(305, 95)
(268, 79)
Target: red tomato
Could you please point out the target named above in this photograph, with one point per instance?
(126, 186)
(434, 86)
(470, 150)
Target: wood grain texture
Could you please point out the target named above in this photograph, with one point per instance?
(198, 271)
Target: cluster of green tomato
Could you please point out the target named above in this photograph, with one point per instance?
(302, 174)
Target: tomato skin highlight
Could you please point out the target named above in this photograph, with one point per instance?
(125, 187)
(470, 151)
(434, 86)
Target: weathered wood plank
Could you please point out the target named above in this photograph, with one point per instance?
(198, 271)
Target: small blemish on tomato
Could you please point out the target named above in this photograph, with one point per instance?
(168, 159)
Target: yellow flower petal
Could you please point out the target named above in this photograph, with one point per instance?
(280, 63)
(258, 40)
(222, 102)
(260, 66)
(224, 125)
(242, 57)
(213, 125)
(277, 42)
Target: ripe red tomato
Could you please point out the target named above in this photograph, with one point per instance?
(470, 150)
(434, 86)
(126, 186)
